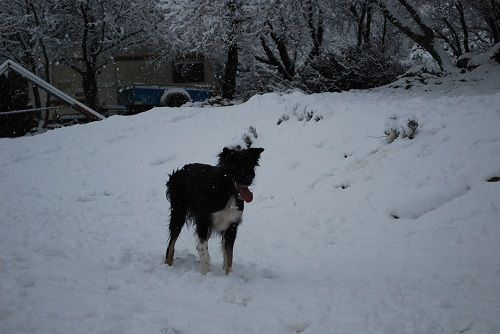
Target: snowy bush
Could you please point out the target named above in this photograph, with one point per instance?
(422, 63)
(476, 58)
(301, 113)
(405, 127)
(282, 119)
(308, 115)
(464, 60)
(248, 135)
(261, 80)
(483, 58)
(214, 101)
(420, 71)
(353, 68)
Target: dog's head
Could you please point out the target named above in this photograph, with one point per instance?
(240, 165)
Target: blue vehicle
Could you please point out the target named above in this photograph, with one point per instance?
(137, 98)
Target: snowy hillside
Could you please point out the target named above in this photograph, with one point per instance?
(347, 233)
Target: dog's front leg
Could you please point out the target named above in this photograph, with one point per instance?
(228, 239)
(202, 248)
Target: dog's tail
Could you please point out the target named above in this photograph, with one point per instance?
(171, 184)
(175, 186)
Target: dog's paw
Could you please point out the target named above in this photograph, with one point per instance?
(204, 268)
(228, 270)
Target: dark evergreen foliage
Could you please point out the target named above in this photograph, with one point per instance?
(14, 96)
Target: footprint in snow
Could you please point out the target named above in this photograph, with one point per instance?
(234, 295)
(299, 327)
(294, 165)
(161, 161)
(419, 207)
(188, 262)
(54, 252)
(180, 118)
(84, 199)
(26, 281)
(185, 262)
(93, 196)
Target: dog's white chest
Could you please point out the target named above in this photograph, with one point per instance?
(227, 216)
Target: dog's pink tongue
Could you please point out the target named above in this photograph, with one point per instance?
(245, 194)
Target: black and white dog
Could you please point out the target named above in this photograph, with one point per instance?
(211, 197)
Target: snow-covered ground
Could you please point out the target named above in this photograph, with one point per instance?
(347, 233)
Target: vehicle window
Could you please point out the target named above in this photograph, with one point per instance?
(188, 72)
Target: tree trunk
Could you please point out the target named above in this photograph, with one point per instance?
(36, 95)
(368, 25)
(494, 29)
(460, 9)
(361, 22)
(36, 91)
(46, 66)
(384, 31)
(89, 84)
(455, 44)
(495, 20)
(46, 62)
(316, 31)
(230, 72)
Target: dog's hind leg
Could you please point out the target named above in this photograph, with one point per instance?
(203, 232)
(177, 220)
(228, 238)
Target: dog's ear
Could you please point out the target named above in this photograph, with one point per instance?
(255, 153)
(225, 155)
(258, 149)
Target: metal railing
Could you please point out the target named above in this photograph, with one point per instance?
(13, 112)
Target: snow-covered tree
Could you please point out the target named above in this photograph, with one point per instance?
(253, 45)
(292, 34)
(98, 29)
(406, 16)
(29, 35)
(325, 45)
(449, 19)
(490, 12)
(362, 10)
(222, 29)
